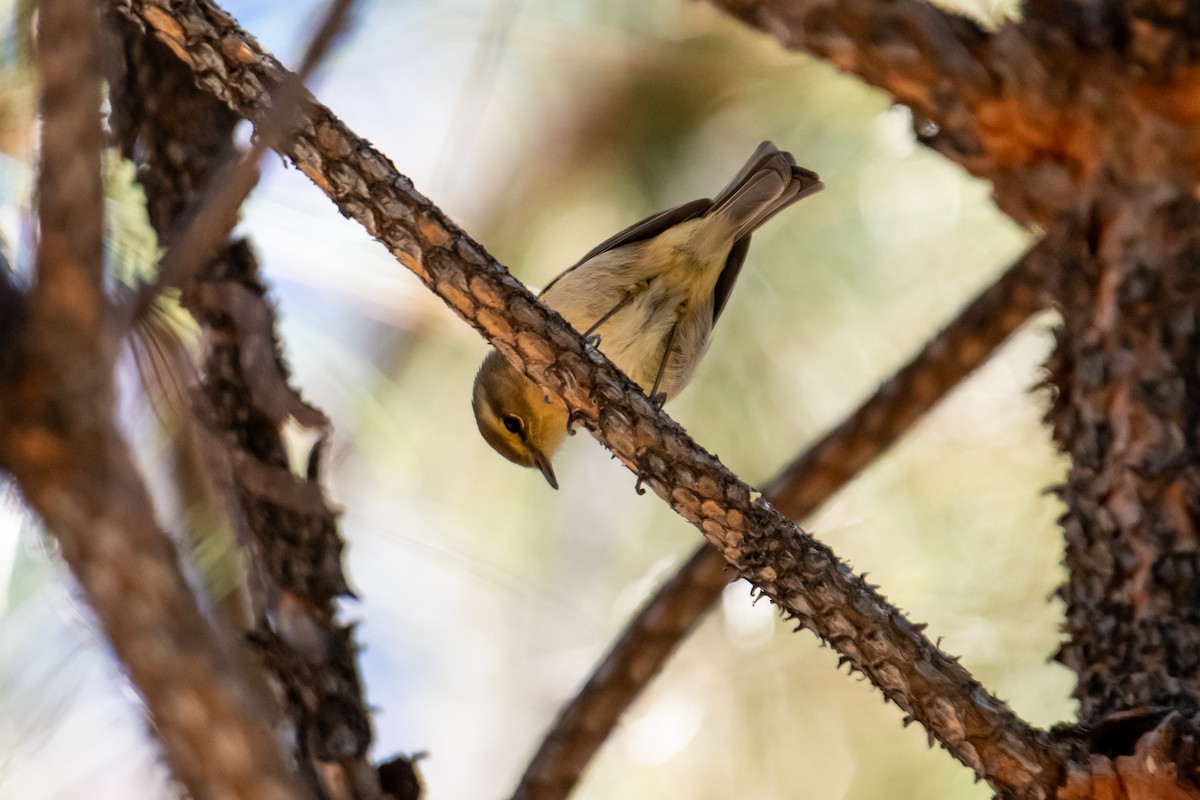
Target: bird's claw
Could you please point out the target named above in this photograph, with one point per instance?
(659, 400)
(572, 418)
(592, 341)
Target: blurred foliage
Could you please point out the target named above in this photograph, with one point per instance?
(541, 128)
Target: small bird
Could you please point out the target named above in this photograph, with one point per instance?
(647, 297)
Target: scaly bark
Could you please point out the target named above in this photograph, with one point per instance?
(1127, 408)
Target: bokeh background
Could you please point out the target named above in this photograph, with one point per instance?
(485, 597)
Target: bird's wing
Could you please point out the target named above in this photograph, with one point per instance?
(646, 229)
(729, 275)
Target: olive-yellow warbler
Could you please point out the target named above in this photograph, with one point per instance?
(648, 298)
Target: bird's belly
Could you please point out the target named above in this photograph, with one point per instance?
(635, 338)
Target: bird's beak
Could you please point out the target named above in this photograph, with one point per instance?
(547, 469)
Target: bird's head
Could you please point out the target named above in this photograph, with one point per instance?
(516, 417)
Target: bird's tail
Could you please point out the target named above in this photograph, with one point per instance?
(769, 182)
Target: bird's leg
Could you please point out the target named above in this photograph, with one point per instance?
(590, 334)
(661, 399)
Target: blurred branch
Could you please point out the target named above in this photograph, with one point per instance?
(907, 47)
(283, 520)
(937, 63)
(669, 616)
(975, 94)
(964, 344)
(69, 290)
(801, 575)
(59, 440)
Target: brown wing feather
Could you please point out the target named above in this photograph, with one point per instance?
(729, 275)
(641, 231)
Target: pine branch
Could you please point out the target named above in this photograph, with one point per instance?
(801, 487)
(206, 227)
(963, 345)
(59, 440)
(801, 575)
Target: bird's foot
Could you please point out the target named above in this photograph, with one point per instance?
(572, 418)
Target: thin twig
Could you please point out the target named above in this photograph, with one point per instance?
(801, 575)
(673, 612)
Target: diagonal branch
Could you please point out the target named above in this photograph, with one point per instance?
(59, 441)
(956, 351)
(207, 227)
(935, 62)
(670, 615)
(800, 574)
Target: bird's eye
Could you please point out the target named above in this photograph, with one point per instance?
(512, 424)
